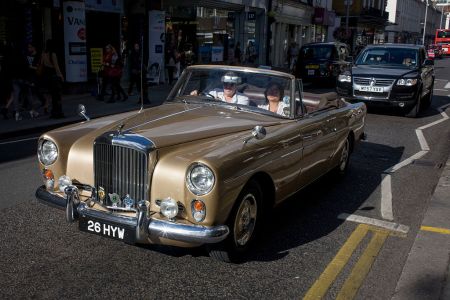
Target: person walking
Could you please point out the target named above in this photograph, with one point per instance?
(31, 85)
(237, 53)
(115, 74)
(135, 69)
(52, 79)
(170, 63)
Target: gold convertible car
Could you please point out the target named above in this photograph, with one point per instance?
(204, 167)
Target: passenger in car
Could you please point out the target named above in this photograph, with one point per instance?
(229, 92)
(274, 95)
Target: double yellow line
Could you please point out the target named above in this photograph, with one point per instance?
(359, 271)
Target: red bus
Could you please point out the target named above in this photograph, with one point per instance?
(443, 38)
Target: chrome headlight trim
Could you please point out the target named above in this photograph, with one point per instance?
(47, 152)
(200, 179)
(407, 81)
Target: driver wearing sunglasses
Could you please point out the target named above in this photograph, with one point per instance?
(229, 92)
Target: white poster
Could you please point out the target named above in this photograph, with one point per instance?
(75, 41)
(156, 37)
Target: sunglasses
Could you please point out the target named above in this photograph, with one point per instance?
(229, 84)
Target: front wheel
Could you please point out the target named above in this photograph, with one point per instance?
(414, 112)
(244, 223)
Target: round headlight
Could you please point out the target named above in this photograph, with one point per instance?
(47, 152)
(200, 179)
(63, 182)
(169, 208)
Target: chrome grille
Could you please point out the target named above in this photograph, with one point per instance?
(378, 81)
(121, 170)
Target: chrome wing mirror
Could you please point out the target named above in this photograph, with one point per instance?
(82, 111)
(258, 132)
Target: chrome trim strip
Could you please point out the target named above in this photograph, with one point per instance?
(146, 227)
(187, 233)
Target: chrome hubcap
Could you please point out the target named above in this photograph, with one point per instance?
(344, 156)
(244, 223)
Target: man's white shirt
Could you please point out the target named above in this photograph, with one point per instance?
(238, 98)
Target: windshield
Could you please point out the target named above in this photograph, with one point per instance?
(316, 52)
(242, 89)
(443, 34)
(388, 56)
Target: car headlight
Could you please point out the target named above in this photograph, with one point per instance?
(407, 82)
(344, 78)
(200, 179)
(47, 152)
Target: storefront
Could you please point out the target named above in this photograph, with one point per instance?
(292, 25)
(209, 31)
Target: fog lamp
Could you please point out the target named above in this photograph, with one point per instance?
(169, 208)
(401, 104)
(63, 182)
(198, 208)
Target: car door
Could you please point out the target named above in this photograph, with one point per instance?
(318, 140)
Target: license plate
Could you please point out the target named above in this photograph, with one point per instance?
(311, 72)
(312, 66)
(373, 89)
(107, 229)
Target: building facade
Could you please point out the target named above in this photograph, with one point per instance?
(408, 18)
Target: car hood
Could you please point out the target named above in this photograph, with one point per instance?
(171, 124)
(385, 72)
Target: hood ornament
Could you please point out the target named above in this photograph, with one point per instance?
(119, 129)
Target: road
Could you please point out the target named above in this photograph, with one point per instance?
(309, 249)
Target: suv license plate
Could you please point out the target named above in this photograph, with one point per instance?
(107, 229)
(373, 89)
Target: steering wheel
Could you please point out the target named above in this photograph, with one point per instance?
(203, 93)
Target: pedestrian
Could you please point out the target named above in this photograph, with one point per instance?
(52, 79)
(250, 53)
(106, 71)
(115, 72)
(135, 69)
(170, 63)
(31, 85)
(237, 53)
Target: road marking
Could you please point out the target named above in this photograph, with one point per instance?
(440, 79)
(440, 90)
(435, 229)
(391, 226)
(323, 283)
(18, 141)
(447, 86)
(362, 267)
(386, 198)
(386, 185)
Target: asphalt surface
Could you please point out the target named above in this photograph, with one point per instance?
(44, 257)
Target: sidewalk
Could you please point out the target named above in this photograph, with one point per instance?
(11, 128)
(426, 274)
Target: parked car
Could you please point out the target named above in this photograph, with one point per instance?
(435, 51)
(197, 170)
(393, 75)
(322, 62)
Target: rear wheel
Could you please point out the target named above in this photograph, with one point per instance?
(342, 167)
(244, 223)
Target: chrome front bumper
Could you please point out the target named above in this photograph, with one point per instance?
(145, 227)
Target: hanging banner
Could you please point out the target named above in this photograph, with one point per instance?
(75, 41)
(156, 38)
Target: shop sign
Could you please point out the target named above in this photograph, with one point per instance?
(96, 59)
(251, 16)
(75, 41)
(156, 38)
(113, 6)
